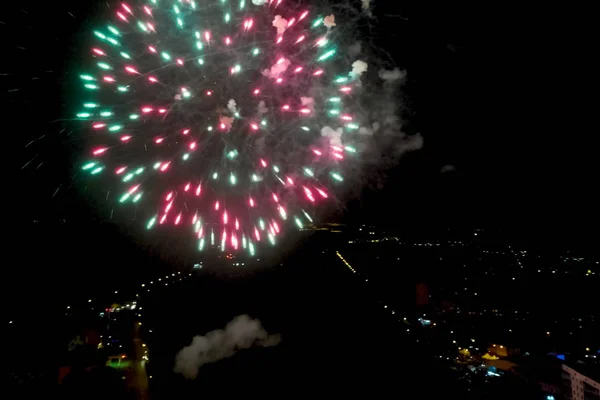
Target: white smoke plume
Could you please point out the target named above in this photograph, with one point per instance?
(276, 70)
(308, 102)
(392, 75)
(259, 2)
(355, 49)
(280, 23)
(366, 6)
(329, 21)
(334, 135)
(232, 106)
(262, 108)
(358, 68)
(241, 333)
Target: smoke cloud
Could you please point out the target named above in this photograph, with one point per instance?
(280, 23)
(241, 333)
(279, 68)
(358, 68)
(262, 108)
(232, 106)
(329, 21)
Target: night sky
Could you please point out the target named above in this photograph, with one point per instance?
(472, 90)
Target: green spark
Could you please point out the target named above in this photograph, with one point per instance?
(88, 166)
(97, 170)
(337, 176)
(133, 116)
(87, 77)
(185, 156)
(90, 105)
(125, 55)
(151, 223)
(114, 31)
(90, 86)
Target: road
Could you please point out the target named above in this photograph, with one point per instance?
(138, 378)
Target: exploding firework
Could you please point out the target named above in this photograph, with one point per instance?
(217, 115)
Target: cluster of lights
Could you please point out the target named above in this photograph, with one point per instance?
(337, 253)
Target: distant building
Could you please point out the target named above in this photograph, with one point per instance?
(579, 386)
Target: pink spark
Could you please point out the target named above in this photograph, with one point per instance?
(133, 189)
(99, 151)
(234, 241)
(121, 16)
(195, 218)
(169, 196)
(251, 201)
(152, 49)
(162, 110)
(301, 38)
(319, 72)
(208, 93)
(291, 22)
(263, 163)
(305, 111)
(225, 217)
(125, 138)
(345, 89)
(168, 207)
(187, 187)
(286, 107)
(152, 79)
(304, 14)
(275, 198)
(200, 232)
(309, 194)
(336, 148)
(317, 152)
(119, 171)
(162, 220)
(146, 110)
(159, 140)
(126, 7)
(237, 224)
(254, 126)
(281, 60)
(256, 234)
(227, 40)
(256, 91)
(207, 36)
(322, 193)
(178, 219)
(148, 10)
(217, 205)
(192, 145)
(198, 190)
(338, 156)
(346, 117)
(186, 131)
(151, 27)
(290, 181)
(299, 69)
(222, 126)
(276, 226)
(165, 166)
(279, 40)
(131, 70)
(179, 61)
(98, 126)
(108, 79)
(99, 52)
(279, 80)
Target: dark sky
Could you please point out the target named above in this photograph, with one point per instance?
(474, 94)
